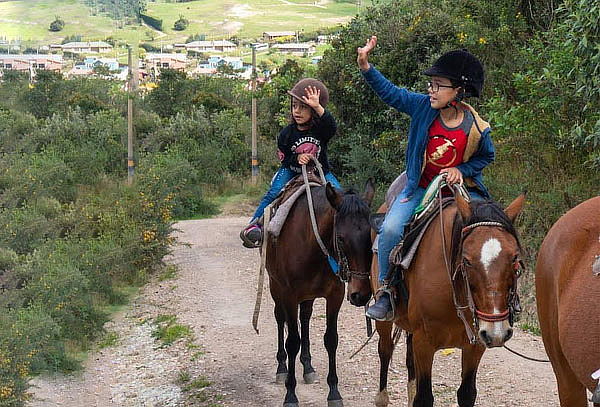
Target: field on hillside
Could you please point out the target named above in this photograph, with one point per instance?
(28, 20)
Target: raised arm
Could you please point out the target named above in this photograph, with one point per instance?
(399, 98)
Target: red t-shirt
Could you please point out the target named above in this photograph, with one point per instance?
(445, 148)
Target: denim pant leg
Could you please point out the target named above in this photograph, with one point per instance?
(281, 177)
(392, 229)
(334, 181)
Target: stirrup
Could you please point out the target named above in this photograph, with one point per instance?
(385, 288)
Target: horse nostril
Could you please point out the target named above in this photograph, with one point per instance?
(484, 335)
(509, 334)
(354, 298)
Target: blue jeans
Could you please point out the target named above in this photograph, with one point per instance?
(396, 219)
(282, 177)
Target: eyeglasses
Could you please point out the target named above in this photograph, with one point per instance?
(436, 86)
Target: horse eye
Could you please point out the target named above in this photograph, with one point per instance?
(466, 262)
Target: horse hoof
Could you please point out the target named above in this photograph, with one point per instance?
(335, 403)
(310, 378)
(280, 378)
(290, 404)
(382, 399)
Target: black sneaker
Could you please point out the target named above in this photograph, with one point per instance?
(382, 309)
(251, 236)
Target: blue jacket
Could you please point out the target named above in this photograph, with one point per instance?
(478, 153)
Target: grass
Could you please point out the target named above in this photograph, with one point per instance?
(108, 340)
(168, 331)
(169, 273)
(29, 20)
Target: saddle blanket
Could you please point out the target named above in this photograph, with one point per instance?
(277, 221)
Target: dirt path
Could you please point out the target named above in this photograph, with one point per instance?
(214, 294)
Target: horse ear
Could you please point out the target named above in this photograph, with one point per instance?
(369, 191)
(376, 220)
(514, 209)
(463, 207)
(333, 196)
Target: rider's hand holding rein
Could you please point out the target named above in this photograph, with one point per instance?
(454, 176)
(363, 53)
(304, 158)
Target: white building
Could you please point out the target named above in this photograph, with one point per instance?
(85, 47)
(299, 49)
(208, 46)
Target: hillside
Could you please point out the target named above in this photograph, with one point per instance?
(28, 20)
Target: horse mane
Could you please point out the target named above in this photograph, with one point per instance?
(353, 205)
(482, 211)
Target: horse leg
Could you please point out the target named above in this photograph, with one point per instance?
(423, 357)
(571, 392)
(467, 392)
(306, 309)
(282, 370)
(411, 385)
(292, 346)
(334, 302)
(385, 348)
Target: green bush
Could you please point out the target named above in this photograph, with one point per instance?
(181, 24)
(57, 25)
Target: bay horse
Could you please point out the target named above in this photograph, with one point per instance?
(299, 272)
(486, 251)
(567, 282)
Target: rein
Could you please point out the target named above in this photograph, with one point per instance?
(341, 267)
(313, 219)
(469, 328)
(460, 272)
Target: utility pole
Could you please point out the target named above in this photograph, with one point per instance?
(133, 85)
(255, 167)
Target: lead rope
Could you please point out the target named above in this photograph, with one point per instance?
(526, 357)
(313, 220)
(459, 308)
(261, 270)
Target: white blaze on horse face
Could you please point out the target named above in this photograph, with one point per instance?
(489, 251)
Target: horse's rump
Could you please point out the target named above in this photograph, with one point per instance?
(568, 290)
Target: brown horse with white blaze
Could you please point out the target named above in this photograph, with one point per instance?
(299, 272)
(568, 301)
(478, 242)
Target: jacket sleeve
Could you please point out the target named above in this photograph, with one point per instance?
(484, 156)
(327, 127)
(399, 98)
(286, 156)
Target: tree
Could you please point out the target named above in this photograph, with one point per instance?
(57, 25)
(181, 24)
(170, 95)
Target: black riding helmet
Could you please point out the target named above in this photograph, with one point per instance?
(462, 68)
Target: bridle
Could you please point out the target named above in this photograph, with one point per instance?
(460, 271)
(345, 272)
(341, 265)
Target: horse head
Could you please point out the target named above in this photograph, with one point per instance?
(488, 258)
(352, 239)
